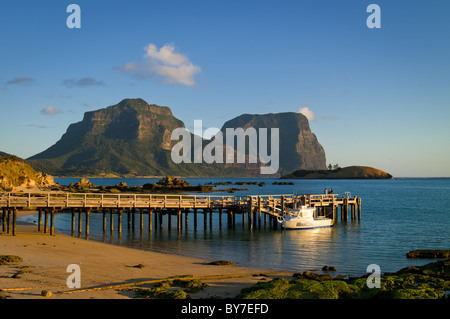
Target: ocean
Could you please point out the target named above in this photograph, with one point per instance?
(398, 215)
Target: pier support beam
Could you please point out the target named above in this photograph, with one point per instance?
(52, 222)
(119, 221)
(160, 219)
(45, 221)
(104, 220)
(3, 219)
(359, 208)
(150, 225)
(195, 218)
(39, 219)
(111, 221)
(14, 214)
(80, 221)
(87, 213)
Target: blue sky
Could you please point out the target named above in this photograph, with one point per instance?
(380, 97)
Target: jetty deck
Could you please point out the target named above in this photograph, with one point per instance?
(256, 207)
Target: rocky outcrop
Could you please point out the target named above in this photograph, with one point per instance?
(429, 254)
(15, 173)
(351, 172)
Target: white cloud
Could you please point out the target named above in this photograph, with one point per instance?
(51, 110)
(170, 66)
(307, 112)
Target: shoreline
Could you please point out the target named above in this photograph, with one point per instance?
(46, 258)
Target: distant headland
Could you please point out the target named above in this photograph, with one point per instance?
(350, 172)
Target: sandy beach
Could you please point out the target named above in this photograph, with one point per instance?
(46, 258)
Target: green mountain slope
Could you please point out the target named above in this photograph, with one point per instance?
(133, 138)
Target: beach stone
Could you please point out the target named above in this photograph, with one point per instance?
(46, 293)
(311, 275)
(221, 263)
(429, 253)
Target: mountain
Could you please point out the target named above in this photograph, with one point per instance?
(299, 147)
(133, 138)
(350, 172)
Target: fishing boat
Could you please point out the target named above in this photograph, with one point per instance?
(303, 218)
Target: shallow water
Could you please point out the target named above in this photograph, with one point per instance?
(398, 215)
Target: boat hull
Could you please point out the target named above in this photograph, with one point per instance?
(298, 224)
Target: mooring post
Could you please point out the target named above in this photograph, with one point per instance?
(179, 218)
(186, 219)
(133, 213)
(160, 219)
(141, 216)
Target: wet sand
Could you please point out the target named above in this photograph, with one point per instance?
(104, 265)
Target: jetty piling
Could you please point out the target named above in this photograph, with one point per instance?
(258, 207)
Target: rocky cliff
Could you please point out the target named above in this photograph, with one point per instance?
(299, 148)
(133, 138)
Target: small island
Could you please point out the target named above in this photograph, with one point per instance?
(350, 172)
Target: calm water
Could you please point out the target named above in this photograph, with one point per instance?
(397, 216)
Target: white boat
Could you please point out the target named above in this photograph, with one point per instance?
(303, 218)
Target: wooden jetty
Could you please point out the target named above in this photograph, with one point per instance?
(256, 208)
